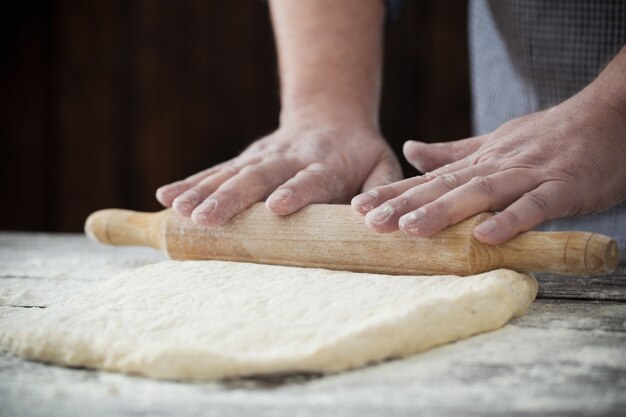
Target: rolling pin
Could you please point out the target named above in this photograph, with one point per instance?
(334, 237)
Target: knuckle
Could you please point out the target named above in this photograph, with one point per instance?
(511, 219)
(450, 181)
(438, 207)
(490, 156)
(317, 167)
(250, 170)
(256, 172)
(229, 171)
(382, 192)
(191, 194)
(538, 200)
(399, 202)
(224, 193)
(429, 176)
(484, 184)
(206, 184)
(319, 176)
(390, 191)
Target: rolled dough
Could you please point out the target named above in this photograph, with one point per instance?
(212, 319)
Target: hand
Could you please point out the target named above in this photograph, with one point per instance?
(328, 146)
(565, 161)
(294, 166)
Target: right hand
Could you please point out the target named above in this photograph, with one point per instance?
(292, 167)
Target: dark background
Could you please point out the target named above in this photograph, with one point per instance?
(103, 101)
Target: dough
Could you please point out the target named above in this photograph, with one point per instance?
(212, 319)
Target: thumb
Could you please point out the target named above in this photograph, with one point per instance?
(430, 156)
(386, 171)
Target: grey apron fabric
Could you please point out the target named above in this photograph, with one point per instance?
(528, 55)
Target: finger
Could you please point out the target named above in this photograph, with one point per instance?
(479, 194)
(364, 203)
(314, 184)
(252, 184)
(167, 193)
(548, 201)
(429, 156)
(385, 217)
(385, 172)
(186, 202)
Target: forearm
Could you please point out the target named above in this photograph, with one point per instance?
(609, 88)
(330, 58)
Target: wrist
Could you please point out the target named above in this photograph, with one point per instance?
(607, 93)
(328, 110)
(600, 108)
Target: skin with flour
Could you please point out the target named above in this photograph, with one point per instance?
(565, 161)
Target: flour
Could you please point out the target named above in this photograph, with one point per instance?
(39, 270)
(211, 319)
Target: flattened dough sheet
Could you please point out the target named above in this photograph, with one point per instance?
(213, 319)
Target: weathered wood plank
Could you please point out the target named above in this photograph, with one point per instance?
(610, 287)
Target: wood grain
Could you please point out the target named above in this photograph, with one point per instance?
(610, 288)
(333, 236)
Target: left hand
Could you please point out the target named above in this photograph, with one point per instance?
(568, 160)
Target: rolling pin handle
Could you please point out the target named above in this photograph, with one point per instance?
(572, 253)
(601, 255)
(126, 228)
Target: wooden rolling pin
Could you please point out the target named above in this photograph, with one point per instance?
(334, 237)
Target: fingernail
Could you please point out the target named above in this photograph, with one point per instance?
(485, 228)
(280, 195)
(410, 221)
(204, 209)
(381, 214)
(365, 200)
(186, 199)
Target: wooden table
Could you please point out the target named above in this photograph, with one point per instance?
(566, 356)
